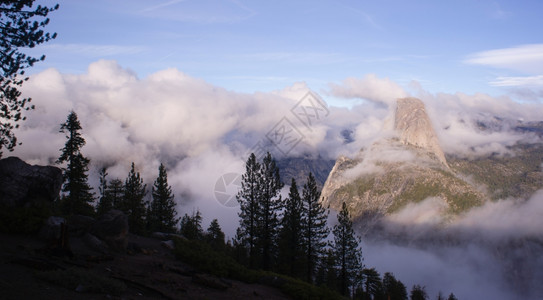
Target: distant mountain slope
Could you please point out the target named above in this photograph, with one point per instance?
(516, 175)
(411, 167)
(299, 168)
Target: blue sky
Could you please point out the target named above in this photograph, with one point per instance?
(494, 47)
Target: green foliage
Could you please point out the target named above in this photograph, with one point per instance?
(89, 281)
(260, 206)
(215, 236)
(191, 226)
(518, 175)
(133, 203)
(315, 229)
(248, 197)
(347, 251)
(201, 256)
(78, 198)
(327, 273)
(105, 203)
(291, 254)
(393, 288)
(373, 286)
(115, 193)
(162, 215)
(418, 293)
(452, 297)
(269, 208)
(21, 27)
(24, 220)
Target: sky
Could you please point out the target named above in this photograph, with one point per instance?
(197, 85)
(494, 47)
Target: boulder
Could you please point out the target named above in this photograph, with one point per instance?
(94, 243)
(78, 225)
(169, 244)
(51, 229)
(112, 228)
(22, 184)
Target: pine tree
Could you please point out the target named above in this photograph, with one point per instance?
(105, 203)
(248, 198)
(347, 250)
(327, 272)
(115, 193)
(215, 236)
(315, 229)
(418, 293)
(133, 201)
(290, 236)
(372, 284)
(79, 197)
(269, 208)
(21, 28)
(393, 288)
(162, 215)
(191, 226)
(452, 297)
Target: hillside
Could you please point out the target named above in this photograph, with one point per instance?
(412, 167)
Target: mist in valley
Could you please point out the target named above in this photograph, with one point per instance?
(202, 132)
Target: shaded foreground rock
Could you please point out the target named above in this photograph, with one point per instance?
(22, 185)
(112, 228)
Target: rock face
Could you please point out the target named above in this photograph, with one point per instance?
(415, 128)
(22, 184)
(409, 167)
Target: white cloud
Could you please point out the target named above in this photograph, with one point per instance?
(372, 88)
(518, 81)
(523, 58)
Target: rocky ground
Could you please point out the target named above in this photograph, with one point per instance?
(149, 270)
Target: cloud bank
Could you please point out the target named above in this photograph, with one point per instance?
(201, 132)
(196, 128)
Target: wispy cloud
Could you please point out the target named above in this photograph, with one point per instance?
(162, 5)
(298, 57)
(518, 81)
(96, 50)
(523, 58)
(201, 11)
(365, 16)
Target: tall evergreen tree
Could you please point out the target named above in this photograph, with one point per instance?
(115, 193)
(418, 293)
(452, 297)
(373, 287)
(327, 272)
(269, 208)
(393, 288)
(191, 226)
(21, 28)
(315, 229)
(79, 197)
(162, 214)
(133, 201)
(347, 250)
(215, 235)
(248, 198)
(290, 236)
(105, 203)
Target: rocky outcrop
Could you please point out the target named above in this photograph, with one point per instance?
(408, 167)
(415, 128)
(22, 184)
